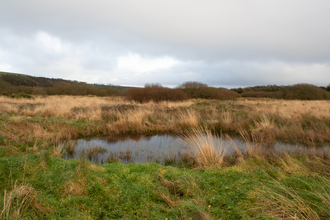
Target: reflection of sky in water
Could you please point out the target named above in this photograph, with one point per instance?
(155, 148)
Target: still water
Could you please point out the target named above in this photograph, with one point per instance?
(141, 149)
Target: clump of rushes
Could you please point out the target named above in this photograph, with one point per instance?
(207, 151)
(310, 199)
(20, 201)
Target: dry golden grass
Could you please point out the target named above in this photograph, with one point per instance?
(21, 198)
(61, 106)
(285, 202)
(187, 119)
(58, 150)
(264, 123)
(266, 119)
(75, 189)
(288, 108)
(206, 150)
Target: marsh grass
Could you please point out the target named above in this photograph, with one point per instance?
(187, 119)
(58, 150)
(310, 200)
(113, 157)
(125, 155)
(20, 200)
(204, 147)
(59, 118)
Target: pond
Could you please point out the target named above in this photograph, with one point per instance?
(158, 148)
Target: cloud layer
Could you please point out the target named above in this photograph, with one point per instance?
(220, 43)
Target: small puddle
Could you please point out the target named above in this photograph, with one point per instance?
(142, 149)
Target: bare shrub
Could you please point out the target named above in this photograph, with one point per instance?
(304, 92)
(156, 94)
(197, 90)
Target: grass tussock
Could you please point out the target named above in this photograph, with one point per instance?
(287, 202)
(204, 147)
(22, 199)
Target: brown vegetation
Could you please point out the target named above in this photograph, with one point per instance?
(21, 198)
(294, 92)
(155, 94)
(196, 90)
(70, 117)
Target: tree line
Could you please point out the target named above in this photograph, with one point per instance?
(11, 84)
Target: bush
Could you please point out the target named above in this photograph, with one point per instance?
(195, 90)
(222, 94)
(199, 90)
(328, 88)
(6, 88)
(304, 92)
(154, 93)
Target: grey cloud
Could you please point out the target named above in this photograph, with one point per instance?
(217, 42)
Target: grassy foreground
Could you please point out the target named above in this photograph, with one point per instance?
(36, 183)
(42, 187)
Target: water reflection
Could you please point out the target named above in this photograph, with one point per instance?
(141, 149)
(129, 149)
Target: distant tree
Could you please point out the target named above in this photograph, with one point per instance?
(18, 80)
(152, 85)
(328, 88)
(304, 92)
(239, 90)
(195, 90)
(6, 88)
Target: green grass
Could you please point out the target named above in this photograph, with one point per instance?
(78, 189)
(126, 191)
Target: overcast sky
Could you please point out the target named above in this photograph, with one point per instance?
(228, 43)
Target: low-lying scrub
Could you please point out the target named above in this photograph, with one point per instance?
(155, 94)
(196, 90)
(294, 92)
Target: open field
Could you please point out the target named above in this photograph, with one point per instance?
(58, 118)
(35, 182)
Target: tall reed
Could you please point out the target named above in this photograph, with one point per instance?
(207, 151)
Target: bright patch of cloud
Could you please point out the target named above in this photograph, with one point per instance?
(51, 43)
(138, 64)
(8, 68)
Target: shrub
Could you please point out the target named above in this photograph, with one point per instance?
(6, 88)
(195, 90)
(304, 92)
(199, 90)
(328, 88)
(239, 90)
(223, 94)
(155, 94)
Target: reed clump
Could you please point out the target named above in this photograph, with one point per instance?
(19, 201)
(282, 201)
(205, 149)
